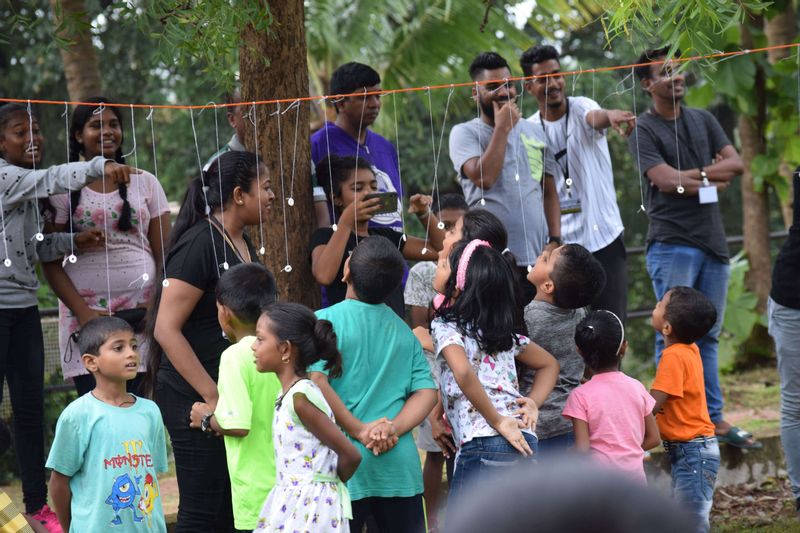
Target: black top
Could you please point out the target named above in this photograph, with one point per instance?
(678, 218)
(197, 259)
(786, 274)
(337, 289)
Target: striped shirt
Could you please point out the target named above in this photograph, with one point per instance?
(11, 520)
(598, 223)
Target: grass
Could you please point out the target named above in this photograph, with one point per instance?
(781, 525)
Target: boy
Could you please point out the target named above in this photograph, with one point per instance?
(109, 444)
(419, 294)
(683, 316)
(243, 414)
(385, 375)
(566, 280)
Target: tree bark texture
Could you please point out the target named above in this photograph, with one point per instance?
(274, 66)
(81, 66)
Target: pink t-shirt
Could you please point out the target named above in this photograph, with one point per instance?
(615, 406)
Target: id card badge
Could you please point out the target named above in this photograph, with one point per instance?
(570, 206)
(707, 193)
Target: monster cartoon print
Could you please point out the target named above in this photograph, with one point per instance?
(148, 498)
(123, 493)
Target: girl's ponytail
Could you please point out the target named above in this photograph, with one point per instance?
(326, 347)
(599, 337)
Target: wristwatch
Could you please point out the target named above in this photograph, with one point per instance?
(205, 423)
(555, 239)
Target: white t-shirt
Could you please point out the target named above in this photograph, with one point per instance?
(598, 223)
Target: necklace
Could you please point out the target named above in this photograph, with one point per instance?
(130, 401)
(230, 242)
(279, 401)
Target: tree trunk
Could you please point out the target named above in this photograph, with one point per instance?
(275, 66)
(81, 67)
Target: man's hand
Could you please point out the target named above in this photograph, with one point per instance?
(619, 118)
(506, 115)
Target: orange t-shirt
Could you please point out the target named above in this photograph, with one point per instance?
(684, 415)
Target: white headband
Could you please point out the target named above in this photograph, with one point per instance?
(621, 327)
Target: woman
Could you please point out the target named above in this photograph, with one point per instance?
(187, 331)
(120, 277)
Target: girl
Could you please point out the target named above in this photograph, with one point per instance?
(134, 218)
(349, 182)
(477, 348)
(612, 414)
(316, 458)
(187, 330)
(23, 245)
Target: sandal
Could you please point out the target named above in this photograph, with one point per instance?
(739, 438)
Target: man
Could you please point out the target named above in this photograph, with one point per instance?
(687, 158)
(237, 121)
(574, 130)
(350, 135)
(503, 167)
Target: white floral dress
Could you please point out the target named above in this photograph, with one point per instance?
(308, 495)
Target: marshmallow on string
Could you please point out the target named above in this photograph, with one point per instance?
(399, 171)
(99, 112)
(642, 208)
(480, 145)
(358, 148)
(71, 258)
(334, 226)
(39, 236)
(254, 121)
(278, 114)
(7, 260)
(225, 264)
(145, 277)
(680, 189)
(293, 105)
(164, 280)
(436, 154)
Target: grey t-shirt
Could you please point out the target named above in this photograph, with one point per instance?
(677, 218)
(553, 329)
(517, 203)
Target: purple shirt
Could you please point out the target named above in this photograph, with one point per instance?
(380, 153)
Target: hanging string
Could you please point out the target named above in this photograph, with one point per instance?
(208, 212)
(145, 277)
(440, 225)
(72, 258)
(295, 105)
(288, 267)
(480, 143)
(254, 121)
(680, 189)
(99, 111)
(225, 264)
(516, 176)
(638, 155)
(38, 235)
(164, 280)
(330, 172)
(358, 148)
(435, 172)
(399, 172)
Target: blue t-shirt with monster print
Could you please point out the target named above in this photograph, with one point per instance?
(112, 455)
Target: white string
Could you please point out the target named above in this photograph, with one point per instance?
(254, 121)
(330, 172)
(99, 111)
(399, 172)
(225, 264)
(205, 198)
(295, 105)
(480, 145)
(680, 188)
(38, 235)
(145, 277)
(164, 280)
(516, 176)
(439, 152)
(358, 149)
(7, 260)
(638, 155)
(288, 267)
(72, 258)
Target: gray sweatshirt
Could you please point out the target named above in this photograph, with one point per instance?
(20, 190)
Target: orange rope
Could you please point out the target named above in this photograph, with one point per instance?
(412, 89)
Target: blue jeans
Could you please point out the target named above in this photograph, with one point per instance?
(673, 265)
(694, 472)
(484, 456)
(554, 447)
(784, 326)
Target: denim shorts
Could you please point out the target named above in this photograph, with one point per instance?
(694, 472)
(485, 456)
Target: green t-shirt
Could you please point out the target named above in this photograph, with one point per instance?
(247, 401)
(383, 365)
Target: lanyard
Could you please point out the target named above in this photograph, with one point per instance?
(229, 241)
(561, 154)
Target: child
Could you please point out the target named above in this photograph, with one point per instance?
(349, 182)
(109, 444)
(246, 404)
(315, 457)
(21, 342)
(477, 348)
(385, 375)
(566, 280)
(611, 413)
(683, 316)
(419, 294)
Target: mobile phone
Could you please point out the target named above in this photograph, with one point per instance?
(388, 201)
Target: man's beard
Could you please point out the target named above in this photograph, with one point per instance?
(488, 107)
